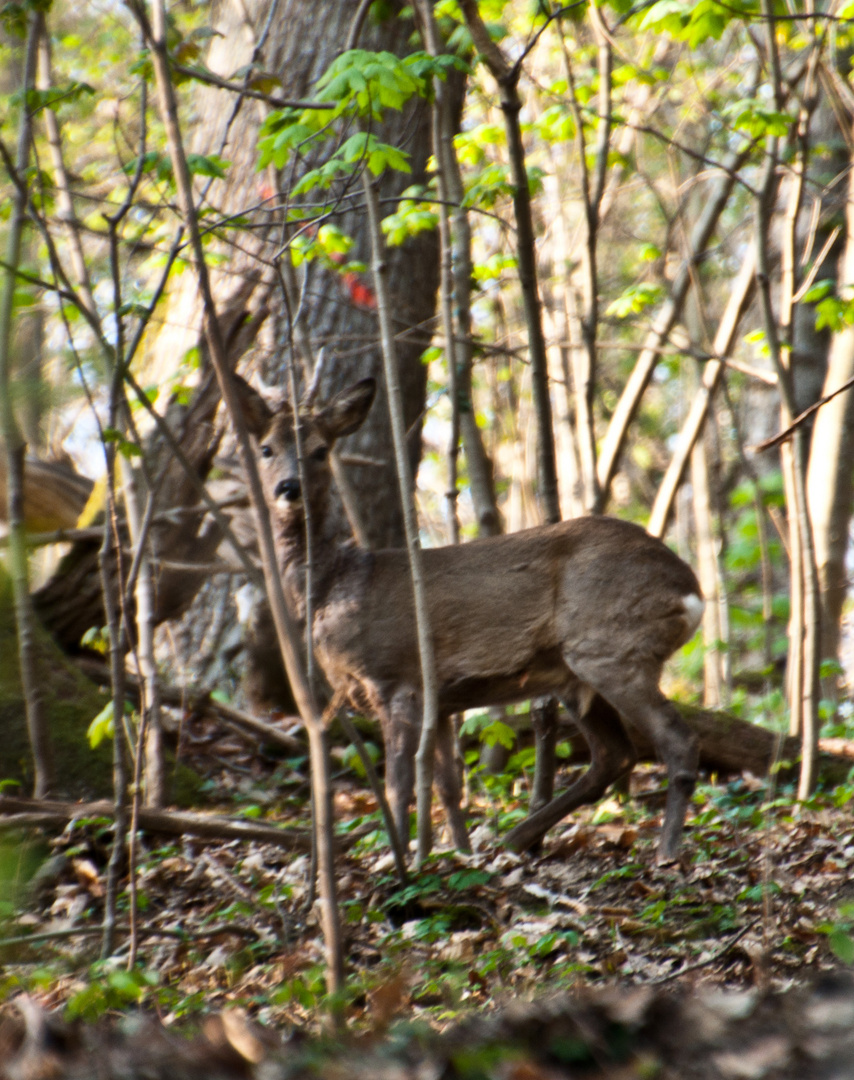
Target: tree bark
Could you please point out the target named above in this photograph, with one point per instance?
(829, 487)
(480, 470)
(707, 572)
(429, 679)
(713, 372)
(803, 650)
(13, 447)
(339, 312)
(727, 745)
(627, 406)
(71, 602)
(507, 77)
(19, 813)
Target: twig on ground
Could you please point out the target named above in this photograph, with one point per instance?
(716, 955)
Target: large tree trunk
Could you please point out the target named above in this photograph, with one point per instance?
(71, 702)
(337, 312)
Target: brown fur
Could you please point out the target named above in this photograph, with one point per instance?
(587, 607)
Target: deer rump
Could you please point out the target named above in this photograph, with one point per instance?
(592, 606)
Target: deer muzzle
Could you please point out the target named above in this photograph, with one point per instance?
(288, 489)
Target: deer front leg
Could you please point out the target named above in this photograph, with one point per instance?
(447, 781)
(401, 727)
(544, 723)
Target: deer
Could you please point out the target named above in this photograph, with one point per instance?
(586, 610)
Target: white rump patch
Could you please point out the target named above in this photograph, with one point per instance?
(694, 607)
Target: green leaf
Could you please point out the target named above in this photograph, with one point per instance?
(97, 639)
(411, 218)
(487, 186)
(366, 83)
(24, 298)
(753, 116)
(463, 880)
(285, 131)
(125, 983)
(635, 299)
(689, 20)
(14, 18)
(842, 946)
(556, 124)
(819, 290)
(102, 727)
(493, 267)
(499, 733)
(834, 313)
(51, 96)
(207, 165)
(126, 448)
(152, 162)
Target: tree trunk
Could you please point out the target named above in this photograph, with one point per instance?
(337, 312)
(13, 447)
(71, 602)
(507, 76)
(707, 572)
(829, 487)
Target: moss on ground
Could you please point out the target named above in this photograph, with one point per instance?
(71, 703)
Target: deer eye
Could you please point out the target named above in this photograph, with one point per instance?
(320, 454)
(266, 451)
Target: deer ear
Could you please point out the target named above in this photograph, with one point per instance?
(257, 414)
(346, 412)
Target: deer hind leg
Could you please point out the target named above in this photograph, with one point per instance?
(612, 755)
(632, 689)
(401, 727)
(648, 710)
(447, 780)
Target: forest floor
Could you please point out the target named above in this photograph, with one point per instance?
(762, 901)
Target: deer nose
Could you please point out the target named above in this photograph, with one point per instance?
(290, 488)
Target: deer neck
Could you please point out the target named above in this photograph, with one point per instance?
(292, 548)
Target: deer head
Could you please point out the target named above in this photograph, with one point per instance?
(274, 431)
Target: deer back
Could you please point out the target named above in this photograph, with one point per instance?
(506, 612)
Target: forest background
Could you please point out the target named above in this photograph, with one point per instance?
(620, 256)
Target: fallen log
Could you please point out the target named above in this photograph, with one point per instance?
(731, 745)
(18, 812)
(727, 745)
